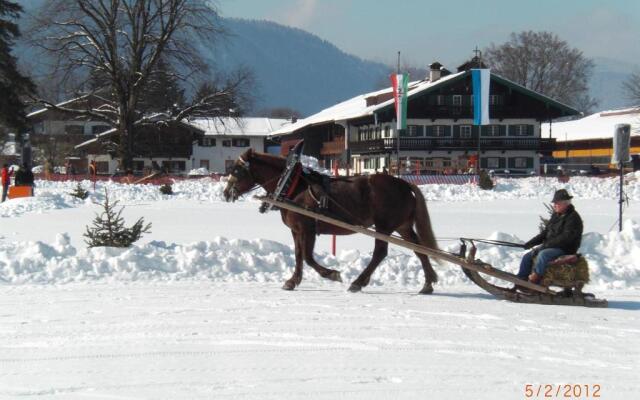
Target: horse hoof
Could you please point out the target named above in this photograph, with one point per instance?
(288, 286)
(427, 290)
(355, 288)
(335, 276)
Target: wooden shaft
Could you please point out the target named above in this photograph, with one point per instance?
(476, 266)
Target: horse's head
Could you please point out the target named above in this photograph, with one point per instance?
(241, 179)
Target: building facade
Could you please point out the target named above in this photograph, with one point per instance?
(223, 140)
(440, 135)
(588, 141)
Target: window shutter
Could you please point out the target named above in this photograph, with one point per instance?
(456, 131)
(447, 131)
(501, 162)
(503, 130)
(483, 163)
(529, 162)
(529, 130)
(474, 130)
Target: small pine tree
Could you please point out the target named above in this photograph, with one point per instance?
(109, 230)
(485, 181)
(79, 192)
(166, 189)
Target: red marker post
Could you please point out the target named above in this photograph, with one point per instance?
(333, 237)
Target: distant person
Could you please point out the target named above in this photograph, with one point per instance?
(561, 235)
(385, 171)
(19, 177)
(28, 178)
(6, 180)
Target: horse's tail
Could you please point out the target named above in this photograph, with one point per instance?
(422, 221)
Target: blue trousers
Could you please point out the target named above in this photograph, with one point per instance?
(544, 256)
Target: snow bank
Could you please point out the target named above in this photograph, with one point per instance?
(611, 258)
(534, 188)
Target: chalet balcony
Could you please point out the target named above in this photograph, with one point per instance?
(389, 145)
(333, 147)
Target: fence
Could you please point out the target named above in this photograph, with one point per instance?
(441, 179)
(156, 180)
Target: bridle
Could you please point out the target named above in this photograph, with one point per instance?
(241, 170)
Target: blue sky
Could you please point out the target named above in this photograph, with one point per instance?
(425, 30)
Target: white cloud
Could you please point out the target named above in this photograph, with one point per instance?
(300, 14)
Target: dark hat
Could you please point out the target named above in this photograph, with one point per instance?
(561, 195)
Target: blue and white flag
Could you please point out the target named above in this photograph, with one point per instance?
(481, 79)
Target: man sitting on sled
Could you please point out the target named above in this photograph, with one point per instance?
(561, 235)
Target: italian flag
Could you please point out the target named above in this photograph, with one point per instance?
(400, 84)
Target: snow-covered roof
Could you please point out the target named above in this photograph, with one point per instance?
(248, 126)
(600, 125)
(357, 106)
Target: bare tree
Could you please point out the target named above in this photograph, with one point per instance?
(51, 150)
(631, 87)
(280, 112)
(124, 41)
(542, 62)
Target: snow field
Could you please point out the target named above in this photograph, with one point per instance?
(612, 256)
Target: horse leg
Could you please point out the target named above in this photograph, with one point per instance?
(309, 240)
(296, 278)
(379, 253)
(430, 275)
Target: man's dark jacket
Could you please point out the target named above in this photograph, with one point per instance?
(563, 231)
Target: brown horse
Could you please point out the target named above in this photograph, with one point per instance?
(389, 203)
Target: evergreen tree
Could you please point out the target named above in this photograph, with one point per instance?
(79, 192)
(13, 85)
(109, 230)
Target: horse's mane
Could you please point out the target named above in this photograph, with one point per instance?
(269, 159)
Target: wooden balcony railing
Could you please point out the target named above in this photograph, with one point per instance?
(333, 147)
(498, 143)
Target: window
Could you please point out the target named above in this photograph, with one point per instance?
(174, 166)
(74, 129)
(465, 131)
(98, 129)
(493, 162)
(495, 100)
(439, 131)
(520, 162)
(204, 164)
(102, 167)
(457, 100)
(521, 130)
(38, 128)
(207, 142)
(371, 163)
(387, 131)
(138, 165)
(440, 100)
(414, 130)
(226, 143)
(240, 142)
(378, 132)
(491, 130)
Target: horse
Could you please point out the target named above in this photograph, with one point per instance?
(384, 201)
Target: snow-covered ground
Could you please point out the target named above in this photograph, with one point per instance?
(194, 310)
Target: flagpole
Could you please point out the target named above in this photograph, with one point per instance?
(397, 129)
